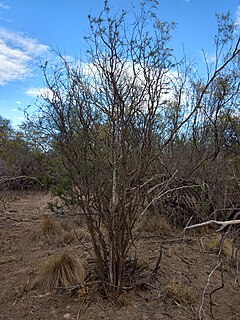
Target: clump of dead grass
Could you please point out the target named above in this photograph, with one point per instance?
(154, 223)
(49, 227)
(214, 244)
(82, 233)
(180, 292)
(61, 271)
(55, 231)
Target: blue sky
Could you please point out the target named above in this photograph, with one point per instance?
(29, 28)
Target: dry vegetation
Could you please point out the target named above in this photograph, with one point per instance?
(126, 172)
(157, 224)
(58, 272)
(181, 292)
(47, 277)
(58, 231)
(216, 243)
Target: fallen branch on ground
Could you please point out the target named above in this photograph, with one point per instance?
(4, 179)
(205, 289)
(222, 223)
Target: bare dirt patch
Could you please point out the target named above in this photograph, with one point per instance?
(173, 279)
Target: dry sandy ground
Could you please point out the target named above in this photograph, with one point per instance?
(180, 289)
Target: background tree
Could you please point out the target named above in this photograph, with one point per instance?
(23, 165)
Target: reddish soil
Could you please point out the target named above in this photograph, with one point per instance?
(179, 289)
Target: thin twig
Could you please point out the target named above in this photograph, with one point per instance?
(215, 290)
(158, 260)
(174, 240)
(234, 316)
(160, 195)
(205, 289)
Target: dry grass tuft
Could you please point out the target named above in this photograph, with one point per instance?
(20, 290)
(61, 271)
(122, 300)
(227, 248)
(82, 233)
(59, 232)
(156, 224)
(180, 292)
(49, 227)
(56, 231)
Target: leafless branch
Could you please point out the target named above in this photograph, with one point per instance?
(206, 287)
(215, 290)
(163, 193)
(222, 223)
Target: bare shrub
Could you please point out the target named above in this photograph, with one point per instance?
(59, 272)
(113, 128)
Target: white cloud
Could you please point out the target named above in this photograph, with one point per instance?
(14, 110)
(4, 6)
(6, 20)
(18, 102)
(210, 58)
(39, 92)
(19, 118)
(17, 53)
(21, 41)
(237, 22)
